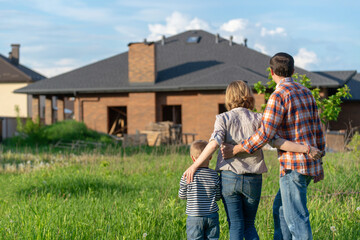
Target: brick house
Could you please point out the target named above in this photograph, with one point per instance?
(14, 75)
(350, 114)
(181, 79)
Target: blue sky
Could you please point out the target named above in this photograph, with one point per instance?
(57, 36)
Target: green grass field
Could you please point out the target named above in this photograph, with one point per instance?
(117, 195)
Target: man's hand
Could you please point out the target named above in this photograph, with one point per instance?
(319, 177)
(229, 150)
(189, 174)
(315, 153)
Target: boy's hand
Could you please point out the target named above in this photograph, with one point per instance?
(189, 174)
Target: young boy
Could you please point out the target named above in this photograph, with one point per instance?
(201, 195)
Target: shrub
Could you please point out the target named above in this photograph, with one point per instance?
(32, 133)
(354, 144)
(71, 130)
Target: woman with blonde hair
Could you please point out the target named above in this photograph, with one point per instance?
(241, 176)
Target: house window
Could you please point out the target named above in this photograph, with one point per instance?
(117, 120)
(222, 108)
(172, 113)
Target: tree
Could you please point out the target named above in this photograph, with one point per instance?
(329, 108)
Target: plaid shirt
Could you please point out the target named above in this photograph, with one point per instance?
(291, 113)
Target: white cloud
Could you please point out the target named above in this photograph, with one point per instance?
(305, 58)
(197, 23)
(234, 25)
(53, 71)
(175, 23)
(66, 62)
(261, 48)
(132, 34)
(278, 31)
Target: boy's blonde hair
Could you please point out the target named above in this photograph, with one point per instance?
(239, 94)
(197, 147)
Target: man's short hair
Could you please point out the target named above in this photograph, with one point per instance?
(282, 64)
(197, 147)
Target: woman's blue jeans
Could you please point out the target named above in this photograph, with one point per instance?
(291, 216)
(241, 196)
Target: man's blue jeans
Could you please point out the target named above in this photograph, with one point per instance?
(206, 227)
(291, 216)
(241, 196)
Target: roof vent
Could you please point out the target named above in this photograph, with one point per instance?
(245, 42)
(193, 39)
(217, 36)
(163, 40)
(231, 41)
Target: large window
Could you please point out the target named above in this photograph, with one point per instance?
(172, 113)
(117, 121)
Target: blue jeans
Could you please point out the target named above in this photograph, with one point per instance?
(206, 227)
(241, 196)
(291, 216)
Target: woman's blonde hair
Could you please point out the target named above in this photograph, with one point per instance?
(239, 94)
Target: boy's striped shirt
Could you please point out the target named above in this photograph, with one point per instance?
(202, 193)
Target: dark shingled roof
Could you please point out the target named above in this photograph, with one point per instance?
(180, 66)
(340, 76)
(354, 85)
(16, 73)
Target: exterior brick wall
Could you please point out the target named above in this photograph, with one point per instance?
(48, 111)
(349, 115)
(259, 100)
(60, 109)
(140, 111)
(35, 107)
(142, 66)
(95, 109)
(198, 109)
(77, 110)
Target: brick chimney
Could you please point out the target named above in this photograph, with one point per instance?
(14, 55)
(142, 65)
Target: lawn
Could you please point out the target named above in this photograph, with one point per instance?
(133, 195)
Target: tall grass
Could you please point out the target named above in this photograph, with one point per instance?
(132, 194)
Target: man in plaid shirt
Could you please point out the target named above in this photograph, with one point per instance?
(292, 114)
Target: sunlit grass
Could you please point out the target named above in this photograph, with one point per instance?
(133, 195)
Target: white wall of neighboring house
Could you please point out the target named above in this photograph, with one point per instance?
(9, 100)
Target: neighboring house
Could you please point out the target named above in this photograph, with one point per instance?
(349, 116)
(13, 75)
(350, 112)
(181, 79)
